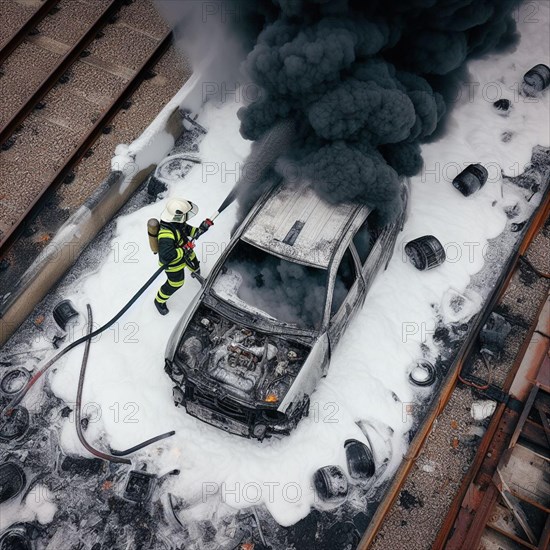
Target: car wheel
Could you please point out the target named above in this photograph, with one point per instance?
(425, 252)
(15, 425)
(331, 483)
(536, 79)
(14, 380)
(63, 312)
(503, 106)
(13, 540)
(423, 374)
(471, 179)
(360, 460)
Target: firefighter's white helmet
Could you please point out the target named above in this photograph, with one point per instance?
(178, 211)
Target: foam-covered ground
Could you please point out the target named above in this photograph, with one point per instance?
(130, 394)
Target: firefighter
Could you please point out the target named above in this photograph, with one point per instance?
(175, 247)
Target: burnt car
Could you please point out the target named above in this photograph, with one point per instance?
(252, 346)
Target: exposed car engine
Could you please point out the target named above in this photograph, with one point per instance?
(256, 367)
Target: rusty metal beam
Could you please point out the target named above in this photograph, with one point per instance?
(524, 414)
(456, 512)
(477, 526)
(533, 434)
(481, 489)
(511, 536)
(544, 419)
(482, 479)
(530, 501)
(513, 505)
(544, 541)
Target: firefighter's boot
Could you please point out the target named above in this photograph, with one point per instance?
(161, 308)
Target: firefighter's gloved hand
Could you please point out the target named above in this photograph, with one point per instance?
(206, 225)
(193, 264)
(187, 248)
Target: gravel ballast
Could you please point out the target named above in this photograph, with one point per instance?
(71, 109)
(14, 15)
(420, 510)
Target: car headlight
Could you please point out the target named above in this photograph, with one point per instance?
(189, 350)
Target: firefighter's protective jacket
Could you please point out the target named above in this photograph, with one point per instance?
(172, 239)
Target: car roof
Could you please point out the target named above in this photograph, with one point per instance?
(297, 224)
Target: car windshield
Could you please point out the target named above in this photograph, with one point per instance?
(260, 283)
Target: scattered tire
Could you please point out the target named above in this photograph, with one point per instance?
(360, 460)
(503, 106)
(536, 80)
(423, 374)
(139, 486)
(14, 426)
(63, 312)
(425, 252)
(331, 483)
(12, 480)
(471, 179)
(175, 167)
(14, 380)
(14, 540)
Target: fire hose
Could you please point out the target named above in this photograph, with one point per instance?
(32, 381)
(115, 456)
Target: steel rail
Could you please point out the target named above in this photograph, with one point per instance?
(85, 144)
(500, 424)
(24, 30)
(51, 80)
(438, 405)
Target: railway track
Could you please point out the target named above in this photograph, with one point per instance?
(18, 36)
(69, 69)
(461, 364)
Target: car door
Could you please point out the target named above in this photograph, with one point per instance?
(374, 248)
(347, 294)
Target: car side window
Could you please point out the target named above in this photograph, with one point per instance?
(364, 239)
(345, 277)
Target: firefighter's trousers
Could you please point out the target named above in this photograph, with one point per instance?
(176, 278)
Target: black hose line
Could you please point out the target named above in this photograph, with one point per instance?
(78, 407)
(116, 455)
(19, 397)
(141, 445)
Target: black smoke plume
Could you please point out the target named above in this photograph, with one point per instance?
(366, 82)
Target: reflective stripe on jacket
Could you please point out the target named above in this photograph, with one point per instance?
(171, 239)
